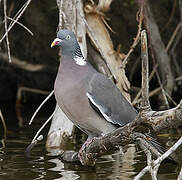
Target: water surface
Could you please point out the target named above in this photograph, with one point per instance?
(40, 165)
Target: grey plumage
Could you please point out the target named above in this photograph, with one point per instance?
(77, 86)
(82, 92)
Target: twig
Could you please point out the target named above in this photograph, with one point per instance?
(23, 26)
(180, 9)
(6, 29)
(160, 159)
(136, 40)
(139, 93)
(145, 147)
(171, 99)
(160, 53)
(180, 175)
(171, 16)
(32, 145)
(42, 127)
(18, 100)
(22, 64)
(145, 81)
(173, 36)
(163, 91)
(37, 110)
(179, 78)
(153, 92)
(4, 124)
(17, 18)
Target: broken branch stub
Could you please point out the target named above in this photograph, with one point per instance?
(145, 77)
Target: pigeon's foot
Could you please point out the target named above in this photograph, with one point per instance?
(82, 152)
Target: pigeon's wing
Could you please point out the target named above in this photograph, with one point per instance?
(106, 98)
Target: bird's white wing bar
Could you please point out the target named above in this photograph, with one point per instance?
(100, 107)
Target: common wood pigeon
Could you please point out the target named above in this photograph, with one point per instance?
(88, 98)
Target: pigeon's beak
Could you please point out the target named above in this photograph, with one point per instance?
(55, 42)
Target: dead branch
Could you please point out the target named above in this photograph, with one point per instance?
(16, 18)
(158, 50)
(171, 16)
(22, 64)
(18, 100)
(23, 26)
(158, 161)
(137, 38)
(6, 31)
(145, 81)
(123, 136)
(139, 93)
(37, 110)
(4, 124)
(180, 175)
(173, 36)
(153, 92)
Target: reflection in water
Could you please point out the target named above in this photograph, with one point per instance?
(59, 167)
(15, 165)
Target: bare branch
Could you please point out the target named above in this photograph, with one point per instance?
(136, 40)
(23, 63)
(18, 99)
(160, 159)
(24, 7)
(139, 93)
(145, 80)
(42, 127)
(171, 16)
(37, 110)
(173, 36)
(6, 30)
(4, 124)
(180, 175)
(28, 30)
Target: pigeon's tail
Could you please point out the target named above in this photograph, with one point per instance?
(157, 146)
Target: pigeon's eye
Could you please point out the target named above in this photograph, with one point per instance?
(68, 37)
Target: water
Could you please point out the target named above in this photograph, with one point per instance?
(40, 165)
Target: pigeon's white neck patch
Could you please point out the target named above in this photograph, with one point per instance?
(80, 60)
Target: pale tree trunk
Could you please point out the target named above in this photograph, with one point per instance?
(60, 132)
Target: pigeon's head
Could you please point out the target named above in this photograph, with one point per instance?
(65, 38)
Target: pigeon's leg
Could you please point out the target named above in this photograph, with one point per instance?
(82, 150)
